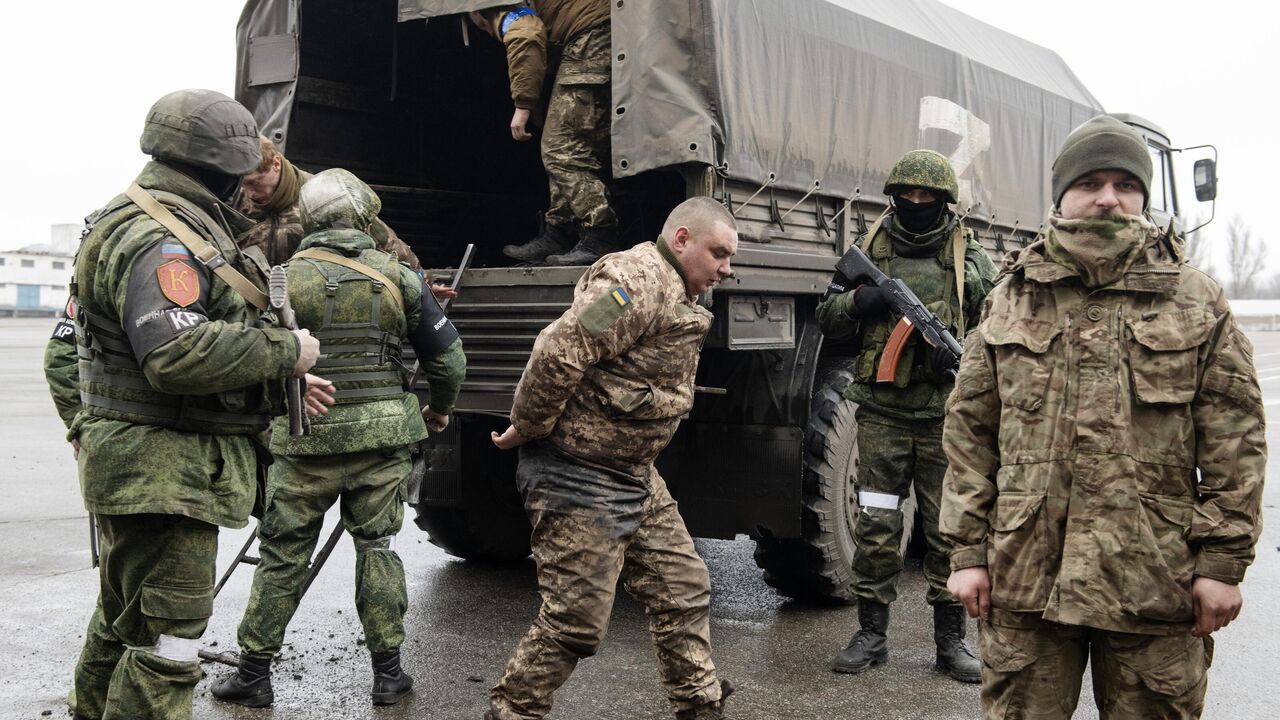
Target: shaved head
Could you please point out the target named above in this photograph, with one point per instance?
(698, 214)
(703, 237)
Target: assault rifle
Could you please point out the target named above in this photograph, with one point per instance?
(295, 388)
(859, 269)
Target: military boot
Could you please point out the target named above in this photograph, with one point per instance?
(553, 239)
(594, 243)
(390, 681)
(709, 711)
(954, 657)
(249, 685)
(870, 645)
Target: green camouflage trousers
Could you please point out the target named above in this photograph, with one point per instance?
(575, 141)
(139, 658)
(1034, 671)
(300, 489)
(892, 454)
(590, 528)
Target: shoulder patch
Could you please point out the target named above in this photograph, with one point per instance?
(179, 282)
(605, 311)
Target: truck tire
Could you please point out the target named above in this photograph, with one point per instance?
(487, 521)
(818, 566)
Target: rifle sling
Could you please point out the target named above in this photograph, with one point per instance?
(325, 255)
(205, 252)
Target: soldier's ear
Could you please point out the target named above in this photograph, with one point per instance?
(680, 239)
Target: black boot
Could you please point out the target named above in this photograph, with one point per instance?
(954, 657)
(553, 239)
(870, 645)
(595, 242)
(249, 685)
(710, 711)
(390, 681)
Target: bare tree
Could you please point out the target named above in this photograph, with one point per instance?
(1246, 254)
(1198, 243)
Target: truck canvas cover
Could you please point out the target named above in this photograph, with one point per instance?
(834, 91)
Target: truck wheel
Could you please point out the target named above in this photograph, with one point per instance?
(818, 566)
(486, 520)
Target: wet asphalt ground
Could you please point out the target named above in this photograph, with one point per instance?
(465, 618)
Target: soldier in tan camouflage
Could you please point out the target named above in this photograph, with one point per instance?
(575, 138)
(269, 197)
(604, 391)
(1106, 453)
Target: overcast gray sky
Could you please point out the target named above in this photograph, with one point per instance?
(79, 77)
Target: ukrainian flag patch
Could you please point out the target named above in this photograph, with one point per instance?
(605, 310)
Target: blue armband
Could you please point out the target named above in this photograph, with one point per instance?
(513, 16)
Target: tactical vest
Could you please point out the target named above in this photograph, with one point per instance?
(112, 383)
(357, 320)
(933, 279)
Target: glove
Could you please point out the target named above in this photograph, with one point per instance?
(869, 301)
(942, 362)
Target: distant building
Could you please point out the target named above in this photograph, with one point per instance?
(34, 279)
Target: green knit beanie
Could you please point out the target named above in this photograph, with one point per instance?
(1102, 143)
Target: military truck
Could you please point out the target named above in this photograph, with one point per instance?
(790, 113)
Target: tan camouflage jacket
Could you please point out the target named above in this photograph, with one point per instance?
(278, 234)
(1074, 434)
(525, 37)
(609, 381)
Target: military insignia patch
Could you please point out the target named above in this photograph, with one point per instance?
(605, 310)
(174, 251)
(179, 282)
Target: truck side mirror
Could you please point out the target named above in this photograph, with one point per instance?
(1205, 173)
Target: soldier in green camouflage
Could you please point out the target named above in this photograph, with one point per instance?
(175, 377)
(1107, 447)
(269, 197)
(920, 241)
(575, 138)
(604, 390)
(362, 304)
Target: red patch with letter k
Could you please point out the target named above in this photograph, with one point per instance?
(179, 282)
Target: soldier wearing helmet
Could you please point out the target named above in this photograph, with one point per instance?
(176, 377)
(921, 241)
(363, 304)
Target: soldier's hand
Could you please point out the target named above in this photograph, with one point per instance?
(519, 121)
(308, 352)
(319, 395)
(1216, 604)
(972, 586)
(435, 421)
(509, 439)
(869, 301)
(75, 449)
(443, 292)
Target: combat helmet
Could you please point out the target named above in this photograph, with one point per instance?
(338, 198)
(203, 128)
(926, 169)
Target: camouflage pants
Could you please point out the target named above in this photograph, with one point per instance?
(300, 489)
(1035, 672)
(893, 454)
(575, 141)
(591, 528)
(139, 657)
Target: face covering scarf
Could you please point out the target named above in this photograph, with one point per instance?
(1101, 249)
